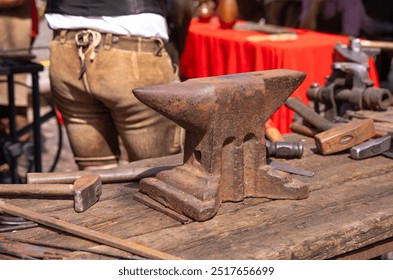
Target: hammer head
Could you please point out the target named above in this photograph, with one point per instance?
(371, 148)
(87, 191)
(345, 136)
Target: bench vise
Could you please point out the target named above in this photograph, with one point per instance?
(225, 149)
(349, 86)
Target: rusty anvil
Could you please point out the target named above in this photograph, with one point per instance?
(225, 149)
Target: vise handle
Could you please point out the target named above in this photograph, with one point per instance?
(308, 114)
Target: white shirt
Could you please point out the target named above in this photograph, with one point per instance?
(145, 24)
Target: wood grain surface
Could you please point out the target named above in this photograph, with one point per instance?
(349, 207)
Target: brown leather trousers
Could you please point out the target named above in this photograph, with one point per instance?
(92, 76)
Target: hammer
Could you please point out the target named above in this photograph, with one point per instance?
(86, 190)
(277, 147)
(333, 138)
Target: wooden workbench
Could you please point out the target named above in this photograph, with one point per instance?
(349, 214)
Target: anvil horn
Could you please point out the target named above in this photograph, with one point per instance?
(188, 104)
(191, 103)
(279, 86)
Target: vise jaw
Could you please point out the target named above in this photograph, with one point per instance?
(225, 148)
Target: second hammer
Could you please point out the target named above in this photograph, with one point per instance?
(86, 190)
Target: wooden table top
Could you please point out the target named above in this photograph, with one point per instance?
(349, 207)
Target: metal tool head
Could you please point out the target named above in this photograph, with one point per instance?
(87, 191)
(284, 149)
(371, 148)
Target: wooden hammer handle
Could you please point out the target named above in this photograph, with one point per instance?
(272, 133)
(377, 44)
(37, 189)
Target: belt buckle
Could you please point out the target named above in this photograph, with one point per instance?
(82, 38)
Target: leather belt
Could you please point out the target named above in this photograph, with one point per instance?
(124, 42)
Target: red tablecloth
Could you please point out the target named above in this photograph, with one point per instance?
(212, 51)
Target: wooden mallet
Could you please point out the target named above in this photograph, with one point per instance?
(86, 190)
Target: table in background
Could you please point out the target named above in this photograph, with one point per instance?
(212, 51)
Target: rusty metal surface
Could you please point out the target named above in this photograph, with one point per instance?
(225, 149)
(313, 118)
(87, 191)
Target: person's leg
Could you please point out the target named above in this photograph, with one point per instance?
(292, 13)
(145, 133)
(92, 134)
(274, 12)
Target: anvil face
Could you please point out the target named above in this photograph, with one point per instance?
(225, 149)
